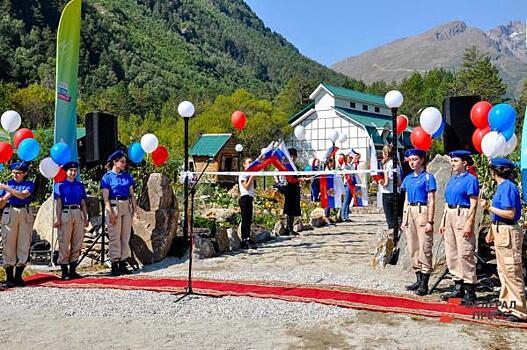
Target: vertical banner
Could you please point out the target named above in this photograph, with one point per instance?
(68, 42)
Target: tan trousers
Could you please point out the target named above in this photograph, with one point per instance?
(119, 234)
(508, 240)
(419, 243)
(71, 235)
(17, 226)
(459, 250)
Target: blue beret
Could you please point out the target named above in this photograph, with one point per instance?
(415, 152)
(70, 165)
(116, 155)
(463, 154)
(502, 162)
(22, 166)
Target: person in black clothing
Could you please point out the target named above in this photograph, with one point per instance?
(292, 197)
(247, 185)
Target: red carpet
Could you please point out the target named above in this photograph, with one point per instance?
(343, 296)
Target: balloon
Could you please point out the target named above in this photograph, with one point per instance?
(501, 117)
(493, 144)
(341, 159)
(479, 114)
(238, 120)
(477, 137)
(501, 145)
(431, 120)
(393, 99)
(334, 136)
(149, 143)
(402, 123)
(21, 135)
(6, 152)
(48, 168)
(308, 168)
(186, 109)
(300, 132)
(343, 138)
(511, 145)
(421, 139)
(509, 132)
(61, 176)
(160, 156)
(60, 153)
(136, 152)
(439, 131)
(10, 121)
(28, 150)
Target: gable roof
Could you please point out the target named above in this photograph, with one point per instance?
(303, 111)
(209, 145)
(349, 94)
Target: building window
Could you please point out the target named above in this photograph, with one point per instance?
(352, 104)
(377, 110)
(364, 107)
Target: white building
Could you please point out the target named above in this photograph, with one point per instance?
(363, 117)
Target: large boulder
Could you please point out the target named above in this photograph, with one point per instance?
(204, 244)
(234, 240)
(316, 218)
(222, 240)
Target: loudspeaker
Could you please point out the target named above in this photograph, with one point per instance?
(458, 126)
(101, 136)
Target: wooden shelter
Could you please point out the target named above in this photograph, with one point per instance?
(219, 148)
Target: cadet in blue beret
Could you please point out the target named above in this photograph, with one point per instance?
(120, 205)
(418, 218)
(17, 223)
(505, 210)
(72, 218)
(457, 227)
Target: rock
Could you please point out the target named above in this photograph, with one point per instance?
(279, 229)
(43, 225)
(222, 240)
(317, 213)
(234, 239)
(384, 248)
(261, 236)
(221, 214)
(158, 194)
(203, 247)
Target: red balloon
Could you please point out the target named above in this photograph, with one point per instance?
(402, 123)
(21, 135)
(477, 136)
(61, 176)
(479, 114)
(160, 156)
(420, 139)
(6, 152)
(238, 120)
(341, 160)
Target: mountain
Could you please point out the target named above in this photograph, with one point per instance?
(443, 46)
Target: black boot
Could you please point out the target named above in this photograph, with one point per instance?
(457, 291)
(415, 285)
(73, 272)
(423, 286)
(10, 279)
(19, 270)
(115, 269)
(123, 269)
(65, 272)
(290, 225)
(470, 294)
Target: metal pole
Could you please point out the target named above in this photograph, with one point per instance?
(103, 230)
(185, 188)
(396, 171)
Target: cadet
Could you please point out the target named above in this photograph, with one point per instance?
(457, 227)
(120, 204)
(72, 218)
(418, 218)
(17, 223)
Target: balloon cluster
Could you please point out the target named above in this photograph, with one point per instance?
(432, 126)
(494, 135)
(149, 145)
(26, 146)
(50, 167)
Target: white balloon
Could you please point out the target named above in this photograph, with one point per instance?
(149, 143)
(334, 136)
(488, 144)
(393, 99)
(501, 145)
(48, 168)
(300, 132)
(186, 109)
(238, 148)
(431, 120)
(10, 121)
(511, 145)
(343, 138)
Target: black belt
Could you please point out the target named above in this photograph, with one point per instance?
(71, 207)
(119, 198)
(18, 205)
(458, 206)
(416, 204)
(505, 222)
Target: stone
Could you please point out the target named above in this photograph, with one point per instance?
(221, 214)
(234, 239)
(158, 194)
(384, 248)
(222, 240)
(260, 234)
(44, 221)
(204, 248)
(279, 228)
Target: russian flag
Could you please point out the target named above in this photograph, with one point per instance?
(327, 191)
(265, 159)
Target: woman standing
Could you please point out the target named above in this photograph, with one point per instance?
(17, 223)
(292, 197)
(120, 204)
(505, 210)
(457, 227)
(418, 218)
(247, 185)
(386, 183)
(72, 218)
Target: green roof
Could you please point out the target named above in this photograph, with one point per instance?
(355, 95)
(365, 118)
(209, 145)
(301, 113)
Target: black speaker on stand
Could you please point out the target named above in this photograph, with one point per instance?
(458, 126)
(101, 136)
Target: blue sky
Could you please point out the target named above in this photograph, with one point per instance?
(330, 30)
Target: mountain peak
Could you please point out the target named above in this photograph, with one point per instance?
(448, 30)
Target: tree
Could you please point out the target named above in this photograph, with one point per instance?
(521, 103)
(36, 105)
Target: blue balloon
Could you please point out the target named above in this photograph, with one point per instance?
(509, 132)
(502, 117)
(439, 131)
(308, 168)
(60, 153)
(136, 152)
(28, 150)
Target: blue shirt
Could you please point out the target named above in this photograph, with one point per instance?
(117, 184)
(70, 192)
(460, 188)
(19, 186)
(418, 186)
(507, 196)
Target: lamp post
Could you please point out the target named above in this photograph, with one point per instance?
(185, 110)
(239, 150)
(394, 100)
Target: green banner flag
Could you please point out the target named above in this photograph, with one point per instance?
(68, 42)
